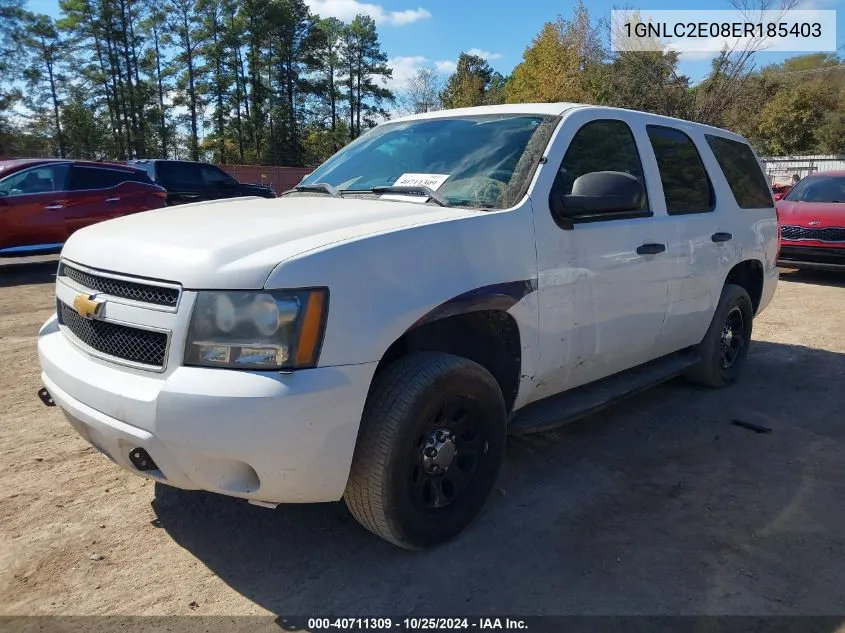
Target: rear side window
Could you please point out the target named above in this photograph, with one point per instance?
(603, 145)
(214, 176)
(177, 174)
(84, 178)
(686, 185)
(742, 171)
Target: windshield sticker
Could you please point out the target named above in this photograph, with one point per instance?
(432, 181)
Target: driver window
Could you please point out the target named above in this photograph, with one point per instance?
(604, 145)
(42, 179)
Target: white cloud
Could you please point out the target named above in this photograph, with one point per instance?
(404, 68)
(348, 9)
(483, 54)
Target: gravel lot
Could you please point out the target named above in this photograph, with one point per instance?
(659, 506)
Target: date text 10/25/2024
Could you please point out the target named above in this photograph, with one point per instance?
(416, 624)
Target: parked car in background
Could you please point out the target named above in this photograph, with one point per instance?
(779, 191)
(187, 181)
(812, 223)
(43, 201)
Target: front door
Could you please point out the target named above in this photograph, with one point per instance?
(32, 206)
(603, 284)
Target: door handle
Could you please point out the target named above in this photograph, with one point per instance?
(112, 199)
(54, 206)
(721, 237)
(651, 249)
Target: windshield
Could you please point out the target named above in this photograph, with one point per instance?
(818, 189)
(474, 161)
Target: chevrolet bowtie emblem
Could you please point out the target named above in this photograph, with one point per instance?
(88, 306)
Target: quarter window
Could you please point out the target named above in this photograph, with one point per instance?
(603, 145)
(87, 178)
(686, 185)
(742, 171)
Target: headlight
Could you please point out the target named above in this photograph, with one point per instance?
(269, 329)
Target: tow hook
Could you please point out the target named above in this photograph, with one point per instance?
(46, 398)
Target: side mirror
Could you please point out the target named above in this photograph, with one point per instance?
(598, 193)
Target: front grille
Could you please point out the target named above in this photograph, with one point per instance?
(144, 293)
(831, 234)
(120, 341)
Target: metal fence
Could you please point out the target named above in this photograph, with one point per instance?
(780, 169)
(280, 178)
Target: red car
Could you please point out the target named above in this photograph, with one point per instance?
(43, 201)
(779, 191)
(812, 223)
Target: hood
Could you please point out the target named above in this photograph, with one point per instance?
(821, 214)
(237, 242)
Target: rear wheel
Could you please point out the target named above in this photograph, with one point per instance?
(725, 346)
(431, 442)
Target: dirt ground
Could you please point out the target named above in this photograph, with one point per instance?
(659, 506)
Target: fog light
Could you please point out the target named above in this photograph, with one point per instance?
(141, 459)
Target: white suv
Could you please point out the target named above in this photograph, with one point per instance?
(442, 281)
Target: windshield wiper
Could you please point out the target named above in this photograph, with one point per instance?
(414, 190)
(320, 187)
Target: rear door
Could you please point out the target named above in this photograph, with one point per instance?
(602, 294)
(32, 206)
(219, 184)
(94, 196)
(183, 180)
(701, 249)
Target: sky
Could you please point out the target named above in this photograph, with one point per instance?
(416, 33)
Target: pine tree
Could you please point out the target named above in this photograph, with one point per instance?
(470, 83)
(44, 50)
(366, 69)
(187, 38)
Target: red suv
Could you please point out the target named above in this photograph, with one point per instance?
(812, 223)
(43, 201)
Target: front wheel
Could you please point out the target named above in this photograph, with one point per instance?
(725, 346)
(431, 442)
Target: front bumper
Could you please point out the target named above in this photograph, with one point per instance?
(811, 257)
(263, 436)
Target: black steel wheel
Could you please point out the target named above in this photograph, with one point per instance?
(725, 346)
(447, 454)
(733, 338)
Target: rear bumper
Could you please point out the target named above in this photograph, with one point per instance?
(277, 438)
(812, 257)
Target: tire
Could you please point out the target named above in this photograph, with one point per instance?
(398, 489)
(714, 369)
